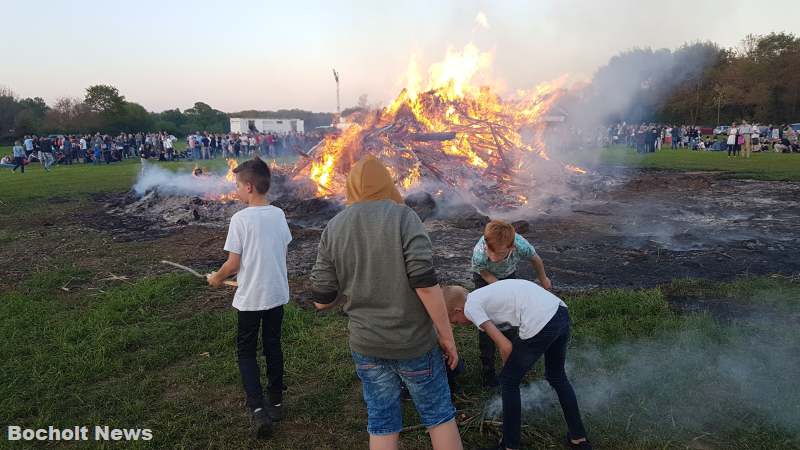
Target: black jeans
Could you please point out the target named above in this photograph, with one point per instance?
(269, 322)
(19, 162)
(552, 343)
(486, 348)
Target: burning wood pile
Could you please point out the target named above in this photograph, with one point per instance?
(454, 140)
(454, 148)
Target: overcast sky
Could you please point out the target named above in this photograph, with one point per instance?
(251, 54)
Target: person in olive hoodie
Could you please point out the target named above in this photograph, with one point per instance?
(375, 257)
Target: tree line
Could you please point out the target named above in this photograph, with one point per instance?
(103, 109)
(698, 83)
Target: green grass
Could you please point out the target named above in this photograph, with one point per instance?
(79, 180)
(152, 354)
(762, 166)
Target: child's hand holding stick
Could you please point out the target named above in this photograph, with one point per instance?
(215, 280)
(199, 275)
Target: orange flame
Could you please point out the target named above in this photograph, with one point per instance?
(487, 129)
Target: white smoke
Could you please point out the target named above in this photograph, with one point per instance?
(181, 183)
(745, 371)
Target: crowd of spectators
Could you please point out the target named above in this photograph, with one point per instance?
(738, 139)
(105, 149)
(234, 145)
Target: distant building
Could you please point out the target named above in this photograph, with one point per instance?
(245, 125)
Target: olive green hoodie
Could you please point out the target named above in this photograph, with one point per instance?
(375, 253)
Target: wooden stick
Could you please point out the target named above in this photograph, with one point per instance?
(196, 273)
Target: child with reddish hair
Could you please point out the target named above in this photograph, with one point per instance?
(495, 257)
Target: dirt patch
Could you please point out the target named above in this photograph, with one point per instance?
(632, 229)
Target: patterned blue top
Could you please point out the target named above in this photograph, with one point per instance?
(480, 260)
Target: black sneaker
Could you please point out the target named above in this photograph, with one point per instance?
(275, 412)
(585, 445)
(262, 424)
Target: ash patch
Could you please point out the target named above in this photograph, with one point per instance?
(174, 210)
(629, 228)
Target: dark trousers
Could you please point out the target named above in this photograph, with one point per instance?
(269, 322)
(19, 162)
(486, 348)
(552, 343)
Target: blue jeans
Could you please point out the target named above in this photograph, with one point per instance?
(552, 343)
(427, 383)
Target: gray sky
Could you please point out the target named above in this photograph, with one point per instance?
(278, 54)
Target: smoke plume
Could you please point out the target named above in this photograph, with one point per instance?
(716, 378)
(178, 183)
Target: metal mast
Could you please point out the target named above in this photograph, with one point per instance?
(338, 106)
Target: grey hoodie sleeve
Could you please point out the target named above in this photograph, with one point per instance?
(324, 283)
(417, 251)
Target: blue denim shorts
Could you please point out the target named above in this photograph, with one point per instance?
(426, 380)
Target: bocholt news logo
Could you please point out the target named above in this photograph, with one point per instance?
(78, 433)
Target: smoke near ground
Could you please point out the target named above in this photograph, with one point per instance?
(708, 379)
(181, 183)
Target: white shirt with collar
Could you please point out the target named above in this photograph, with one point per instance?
(515, 303)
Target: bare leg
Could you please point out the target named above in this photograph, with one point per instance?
(384, 442)
(445, 436)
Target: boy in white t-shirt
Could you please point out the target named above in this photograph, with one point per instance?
(257, 242)
(544, 325)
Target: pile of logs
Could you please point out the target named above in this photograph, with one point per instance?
(407, 145)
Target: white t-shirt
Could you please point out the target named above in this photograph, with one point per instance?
(260, 235)
(516, 303)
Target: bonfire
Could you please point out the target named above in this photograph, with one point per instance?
(452, 138)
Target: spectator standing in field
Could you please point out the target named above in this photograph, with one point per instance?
(745, 133)
(245, 145)
(19, 157)
(190, 145)
(28, 145)
(732, 150)
(67, 148)
(83, 144)
(775, 135)
(264, 146)
(206, 144)
(251, 142)
(169, 148)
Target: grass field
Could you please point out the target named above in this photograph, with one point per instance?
(762, 166)
(94, 333)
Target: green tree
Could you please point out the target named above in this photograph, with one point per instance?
(104, 99)
(203, 117)
(134, 118)
(36, 106)
(9, 107)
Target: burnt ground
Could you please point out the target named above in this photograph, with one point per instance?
(645, 231)
(633, 229)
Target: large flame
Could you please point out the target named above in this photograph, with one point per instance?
(454, 131)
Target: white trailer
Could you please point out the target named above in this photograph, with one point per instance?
(281, 126)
